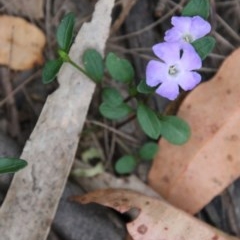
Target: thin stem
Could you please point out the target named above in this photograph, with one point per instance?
(78, 68)
(65, 57)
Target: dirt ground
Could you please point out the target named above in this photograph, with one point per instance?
(22, 96)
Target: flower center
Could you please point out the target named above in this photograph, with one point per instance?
(173, 71)
(188, 38)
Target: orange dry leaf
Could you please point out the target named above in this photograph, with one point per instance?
(191, 175)
(157, 220)
(21, 43)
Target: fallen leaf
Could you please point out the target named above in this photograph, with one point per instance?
(190, 176)
(21, 43)
(157, 220)
(30, 8)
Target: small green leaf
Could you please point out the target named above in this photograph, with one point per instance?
(114, 112)
(10, 165)
(197, 8)
(144, 88)
(204, 46)
(148, 150)
(65, 32)
(94, 65)
(112, 96)
(175, 130)
(149, 121)
(125, 164)
(120, 69)
(50, 70)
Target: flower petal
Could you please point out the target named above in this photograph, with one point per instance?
(168, 52)
(199, 27)
(155, 73)
(182, 23)
(168, 90)
(189, 80)
(173, 35)
(190, 59)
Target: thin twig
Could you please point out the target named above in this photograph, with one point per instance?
(150, 26)
(17, 89)
(122, 134)
(223, 41)
(13, 125)
(230, 31)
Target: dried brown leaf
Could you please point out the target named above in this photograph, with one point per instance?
(190, 176)
(157, 220)
(21, 43)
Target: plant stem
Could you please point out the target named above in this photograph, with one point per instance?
(78, 68)
(65, 57)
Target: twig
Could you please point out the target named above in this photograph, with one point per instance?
(17, 89)
(150, 26)
(13, 125)
(124, 135)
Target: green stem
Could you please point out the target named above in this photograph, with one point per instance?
(78, 68)
(65, 57)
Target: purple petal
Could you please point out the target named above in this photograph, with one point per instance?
(190, 59)
(168, 52)
(199, 27)
(182, 23)
(189, 80)
(168, 90)
(173, 35)
(155, 73)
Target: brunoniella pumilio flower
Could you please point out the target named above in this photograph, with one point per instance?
(187, 29)
(178, 59)
(177, 69)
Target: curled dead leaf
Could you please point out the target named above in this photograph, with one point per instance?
(190, 176)
(21, 43)
(157, 220)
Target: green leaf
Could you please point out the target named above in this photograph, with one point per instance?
(65, 32)
(144, 88)
(94, 65)
(50, 70)
(125, 164)
(120, 69)
(148, 150)
(175, 130)
(197, 7)
(10, 165)
(204, 46)
(112, 97)
(114, 112)
(149, 121)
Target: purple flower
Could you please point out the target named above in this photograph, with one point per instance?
(175, 70)
(187, 29)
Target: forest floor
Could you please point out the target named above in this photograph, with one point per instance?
(137, 26)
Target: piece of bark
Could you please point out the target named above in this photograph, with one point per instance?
(29, 8)
(190, 176)
(32, 199)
